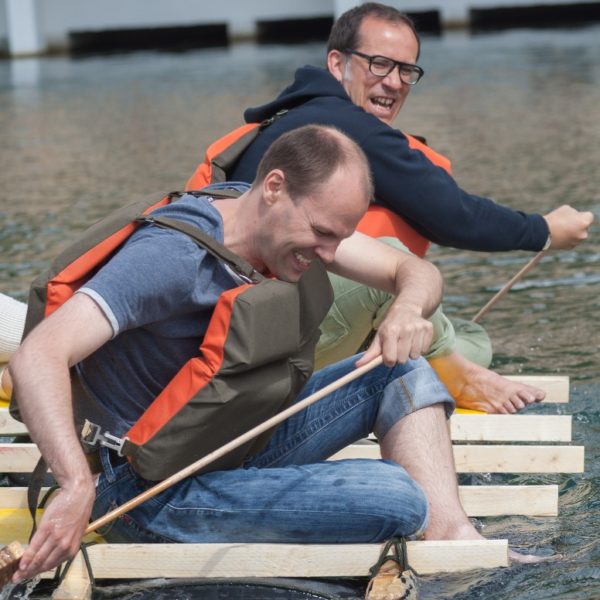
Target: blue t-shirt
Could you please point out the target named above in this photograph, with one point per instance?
(158, 292)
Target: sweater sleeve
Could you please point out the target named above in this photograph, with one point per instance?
(427, 197)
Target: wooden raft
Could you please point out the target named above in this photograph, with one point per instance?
(482, 443)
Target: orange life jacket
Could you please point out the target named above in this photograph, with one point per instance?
(378, 221)
(261, 336)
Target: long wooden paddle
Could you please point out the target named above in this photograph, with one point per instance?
(486, 308)
(10, 555)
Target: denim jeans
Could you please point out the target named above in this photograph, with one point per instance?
(289, 492)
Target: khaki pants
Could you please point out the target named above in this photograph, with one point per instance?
(357, 310)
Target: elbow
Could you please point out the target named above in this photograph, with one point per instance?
(20, 363)
(437, 288)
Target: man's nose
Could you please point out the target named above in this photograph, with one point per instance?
(326, 252)
(393, 80)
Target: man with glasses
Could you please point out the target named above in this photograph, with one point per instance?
(371, 65)
(382, 66)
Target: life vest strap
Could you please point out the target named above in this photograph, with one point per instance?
(93, 437)
(205, 241)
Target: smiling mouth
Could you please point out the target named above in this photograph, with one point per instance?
(302, 259)
(386, 103)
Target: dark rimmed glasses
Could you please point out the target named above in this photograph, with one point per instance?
(382, 66)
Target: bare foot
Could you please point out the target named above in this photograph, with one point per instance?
(460, 528)
(476, 388)
(529, 559)
(466, 531)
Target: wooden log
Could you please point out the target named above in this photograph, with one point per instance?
(510, 428)
(497, 458)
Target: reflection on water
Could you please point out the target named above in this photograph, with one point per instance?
(518, 113)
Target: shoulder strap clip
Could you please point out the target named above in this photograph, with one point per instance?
(270, 120)
(92, 435)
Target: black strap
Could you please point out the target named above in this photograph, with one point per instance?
(34, 488)
(399, 555)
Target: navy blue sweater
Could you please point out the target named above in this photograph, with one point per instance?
(405, 180)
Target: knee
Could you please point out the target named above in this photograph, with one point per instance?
(413, 386)
(403, 505)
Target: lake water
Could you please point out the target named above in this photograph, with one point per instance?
(518, 112)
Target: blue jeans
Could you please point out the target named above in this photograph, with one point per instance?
(289, 492)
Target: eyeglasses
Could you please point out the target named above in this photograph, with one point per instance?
(382, 66)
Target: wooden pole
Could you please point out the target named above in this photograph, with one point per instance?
(534, 261)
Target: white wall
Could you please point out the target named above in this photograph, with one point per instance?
(61, 16)
(56, 18)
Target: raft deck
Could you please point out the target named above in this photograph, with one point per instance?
(482, 443)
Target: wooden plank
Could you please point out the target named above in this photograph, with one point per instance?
(463, 427)
(76, 585)
(8, 425)
(555, 386)
(16, 497)
(18, 458)
(478, 501)
(519, 459)
(22, 458)
(510, 428)
(132, 561)
(499, 500)
(497, 458)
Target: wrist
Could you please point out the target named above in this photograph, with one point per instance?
(410, 306)
(548, 242)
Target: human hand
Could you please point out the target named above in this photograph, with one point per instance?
(568, 226)
(403, 334)
(59, 532)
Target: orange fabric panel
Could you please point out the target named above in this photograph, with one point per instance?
(379, 222)
(435, 157)
(193, 376)
(66, 283)
(203, 174)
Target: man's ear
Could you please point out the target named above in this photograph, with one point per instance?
(273, 185)
(335, 64)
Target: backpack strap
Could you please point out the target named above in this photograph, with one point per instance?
(239, 265)
(223, 154)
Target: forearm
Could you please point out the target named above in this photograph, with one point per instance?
(40, 373)
(419, 285)
(42, 387)
(430, 199)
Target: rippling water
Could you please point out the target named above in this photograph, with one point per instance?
(518, 113)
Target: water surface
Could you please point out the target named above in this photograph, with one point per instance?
(517, 112)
